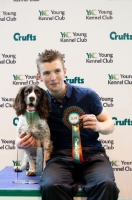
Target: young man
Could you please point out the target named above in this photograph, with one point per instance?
(76, 119)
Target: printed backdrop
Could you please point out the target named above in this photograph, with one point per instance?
(95, 37)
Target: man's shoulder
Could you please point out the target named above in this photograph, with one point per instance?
(85, 93)
(81, 89)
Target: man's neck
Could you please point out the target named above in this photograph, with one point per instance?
(59, 95)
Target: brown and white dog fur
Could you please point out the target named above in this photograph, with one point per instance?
(32, 106)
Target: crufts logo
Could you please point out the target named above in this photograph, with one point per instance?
(125, 122)
(28, 37)
(65, 34)
(15, 121)
(124, 36)
(75, 80)
(113, 76)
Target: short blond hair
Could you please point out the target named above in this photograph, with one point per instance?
(49, 56)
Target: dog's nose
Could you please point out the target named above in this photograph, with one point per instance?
(31, 98)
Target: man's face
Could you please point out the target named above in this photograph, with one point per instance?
(53, 74)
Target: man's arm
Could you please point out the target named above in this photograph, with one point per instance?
(101, 123)
(106, 124)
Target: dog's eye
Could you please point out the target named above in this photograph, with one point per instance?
(27, 92)
(37, 92)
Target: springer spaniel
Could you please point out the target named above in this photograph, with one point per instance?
(32, 106)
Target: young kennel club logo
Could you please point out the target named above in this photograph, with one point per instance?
(7, 144)
(121, 165)
(18, 77)
(113, 76)
(43, 12)
(107, 144)
(94, 57)
(119, 79)
(114, 163)
(7, 16)
(24, 80)
(107, 101)
(65, 34)
(91, 55)
(92, 14)
(73, 37)
(7, 58)
(51, 15)
(6, 102)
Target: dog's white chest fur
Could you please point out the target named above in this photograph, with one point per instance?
(36, 127)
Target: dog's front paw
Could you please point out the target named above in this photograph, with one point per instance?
(31, 172)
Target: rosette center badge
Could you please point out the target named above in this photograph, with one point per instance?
(71, 116)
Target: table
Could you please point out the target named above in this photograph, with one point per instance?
(8, 188)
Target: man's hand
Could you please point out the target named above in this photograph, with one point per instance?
(101, 123)
(90, 121)
(25, 141)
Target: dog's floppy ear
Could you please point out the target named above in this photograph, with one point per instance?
(19, 104)
(44, 106)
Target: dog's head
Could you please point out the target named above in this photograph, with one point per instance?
(32, 98)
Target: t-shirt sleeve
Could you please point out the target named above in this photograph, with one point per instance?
(95, 104)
